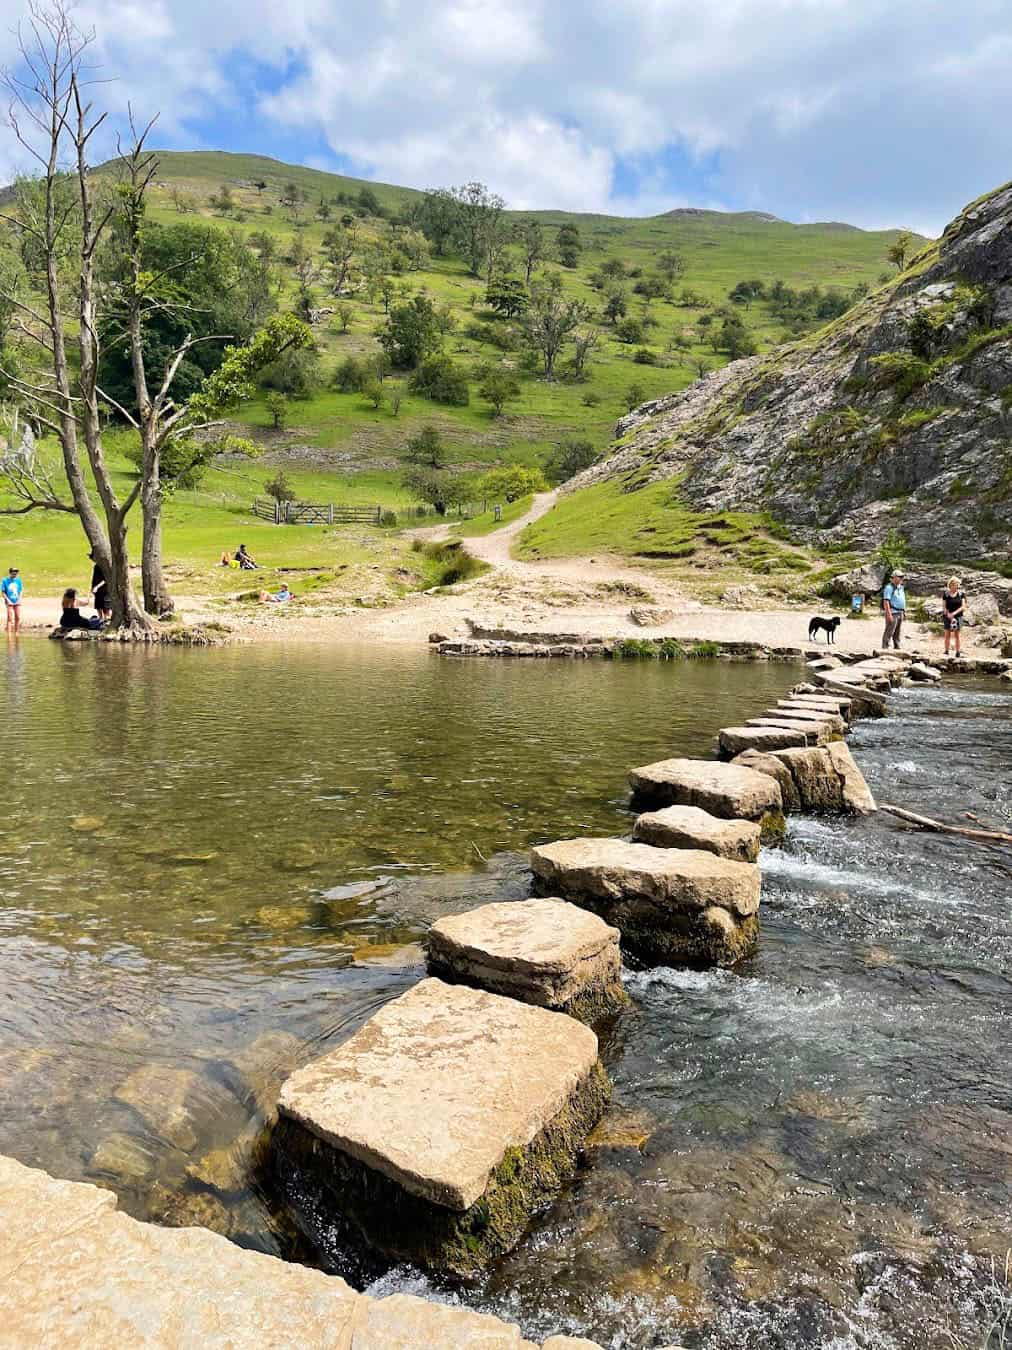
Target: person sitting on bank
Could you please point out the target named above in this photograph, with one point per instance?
(894, 606)
(953, 610)
(245, 560)
(71, 616)
(278, 597)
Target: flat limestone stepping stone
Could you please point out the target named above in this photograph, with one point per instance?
(442, 1123)
(542, 951)
(815, 733)
(733, 740)
(767, 762)
(672, 905)
(828, 779)
(812, 703)
(689, 827)
(730, 791)
(818, 717)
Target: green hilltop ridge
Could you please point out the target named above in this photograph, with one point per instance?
(341, 426)
(896, 416)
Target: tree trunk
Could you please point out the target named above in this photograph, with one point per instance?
(126, 608)
(157, 599)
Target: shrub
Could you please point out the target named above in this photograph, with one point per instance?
(389, 519)
(280, 488)
(351, 375)
(645, 357)
(439, 379)
(511, 481)
(705, 650)
(591, 398)
(629, 330)
(634, 396)
(902, 372)
(569, 458)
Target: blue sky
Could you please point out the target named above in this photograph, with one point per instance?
(877, 112)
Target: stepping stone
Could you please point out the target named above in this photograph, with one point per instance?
(815, 733)
(826, 717)
(443, 1123)
(542, 951)
(689, 827)
(733, 740)
(767, 762)
(816, 703)
(920, 670)
(672, 905)
(727, 790)
(827, 779)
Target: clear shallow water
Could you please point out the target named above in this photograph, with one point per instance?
(211, 862)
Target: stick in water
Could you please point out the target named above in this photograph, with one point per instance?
(926, 823)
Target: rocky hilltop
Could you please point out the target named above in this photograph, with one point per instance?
(897, 415)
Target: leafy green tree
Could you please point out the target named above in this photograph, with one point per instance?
(279, 486)
(615, 306)
(550, 322)
(426, 448)
(899, 248)
(344, 314)
(277, 406)
(440, 379)
(528, 234)
(629, 330)
(507, 296)
(498, 385)
(436, 486)
(568, 245)
(373, 391)
(634, 396)
(511, 481)
(735, 339)
(437, 216)
(478, 218)
(295, 373)
(411, 333)
(340, 247)
(670, 264)
(569, 458)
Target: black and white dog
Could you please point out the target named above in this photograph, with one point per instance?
(829, 626)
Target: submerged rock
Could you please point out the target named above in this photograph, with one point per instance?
(690, 827)
(175, 1103)
(443, 1122)
(672, 906)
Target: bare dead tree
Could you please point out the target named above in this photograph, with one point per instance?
(54, 121)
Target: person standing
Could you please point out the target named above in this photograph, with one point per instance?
(894, 606)
(12, 587)
(953, 609)
(100, 589)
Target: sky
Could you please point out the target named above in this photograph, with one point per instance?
(880, 113)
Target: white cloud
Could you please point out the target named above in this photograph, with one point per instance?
(877, 111)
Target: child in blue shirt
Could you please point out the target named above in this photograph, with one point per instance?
(12, 586)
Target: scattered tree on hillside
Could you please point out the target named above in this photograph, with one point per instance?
(291, 199)
(549, 323)
(479, 225)
(277, 406)
(374, 392)
(497, 386)
(629, 330)
(260, 186)
(279, 487)
(323, 210)
(436, 215)
(411, 333)
(634, 396)
(426, 448)
(568, 245)
(670, 264)
(615, 306)
(747, 291)
(222, 201)
(528, 234)
(734, 338)
(584, 342)
(899, 248)
(437, 377)
(507, 296)
(442, 490)
(344, 314)
(569, 458)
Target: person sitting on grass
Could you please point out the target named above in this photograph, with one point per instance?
(245, 561)
(279, 597)
(71, 616)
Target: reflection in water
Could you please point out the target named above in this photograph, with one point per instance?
(213, 866)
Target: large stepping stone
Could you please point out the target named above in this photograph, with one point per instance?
(826, 778)
(442, 1124)
(730, 791)
(672, 906)
(816, 733)
(817, 717)
(766, 762)
(809, 703)
(689, 827)
(542, 951)
(733, 740)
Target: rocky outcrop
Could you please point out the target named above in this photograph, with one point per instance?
(440, 1125)
(895, 416)
(541, 951)
(672, 906)
(689, 827)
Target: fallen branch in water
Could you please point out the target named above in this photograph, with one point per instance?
(926, 823)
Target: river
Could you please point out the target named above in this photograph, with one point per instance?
(212, 862)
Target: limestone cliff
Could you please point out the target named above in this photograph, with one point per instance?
(897, 415)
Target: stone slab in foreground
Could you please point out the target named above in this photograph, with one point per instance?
(443, 1122)
(542, 951)
(76, 1273)
(689, 827)
(730, 791)
(672, 906)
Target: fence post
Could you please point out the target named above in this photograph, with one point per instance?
(330, 513)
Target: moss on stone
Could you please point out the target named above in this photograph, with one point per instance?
(328, 1188)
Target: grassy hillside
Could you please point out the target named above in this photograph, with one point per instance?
(337, 447)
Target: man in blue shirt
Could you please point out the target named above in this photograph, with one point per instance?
(12, 586)
(894, 606)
